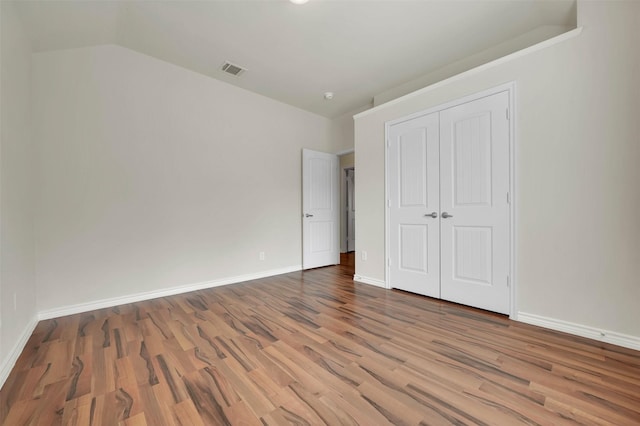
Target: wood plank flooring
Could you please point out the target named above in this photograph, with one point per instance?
(310, 348)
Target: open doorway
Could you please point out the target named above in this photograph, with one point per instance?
(350, 175)
(347, 203)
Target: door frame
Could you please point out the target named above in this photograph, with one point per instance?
(510, 88)
(343, 190)
(345, 213)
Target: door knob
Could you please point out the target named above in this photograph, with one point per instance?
(308, 215)
(433, 215)
(446, 215)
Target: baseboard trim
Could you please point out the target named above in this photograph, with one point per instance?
(139, 297)
(10, 361)
(370, 281)
(607, 336)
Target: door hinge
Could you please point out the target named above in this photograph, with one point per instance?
(507, 113)
(388, 261)
(388, 143)
(508, 198)
(388, 203)
(508, 281)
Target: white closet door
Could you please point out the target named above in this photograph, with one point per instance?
(413, 179)
(474, 185)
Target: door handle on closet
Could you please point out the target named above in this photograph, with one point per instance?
(308, 215)
(433, 215)
(446, 215)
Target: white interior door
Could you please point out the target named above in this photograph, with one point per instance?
(414, 206)
(474, 186)
(320, 209)
(351, 210)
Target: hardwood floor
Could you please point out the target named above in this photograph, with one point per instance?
(313, 348)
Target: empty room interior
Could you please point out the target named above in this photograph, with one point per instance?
(314, 212)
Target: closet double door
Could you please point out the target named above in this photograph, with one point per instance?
(448, 206)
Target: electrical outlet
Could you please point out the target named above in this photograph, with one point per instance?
(363, 254)
(261, 255)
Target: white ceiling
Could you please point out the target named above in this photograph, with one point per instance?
(294, 54)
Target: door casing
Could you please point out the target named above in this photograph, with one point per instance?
(349, 213)
(510, 88)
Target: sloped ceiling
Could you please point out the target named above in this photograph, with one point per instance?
(294, 53)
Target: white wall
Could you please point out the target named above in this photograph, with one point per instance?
(17, 278)
(523, 41)
(342, 131)
(578, 179)
(152, 176)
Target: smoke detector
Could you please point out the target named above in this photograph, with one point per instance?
(328, 96)
(233, 69)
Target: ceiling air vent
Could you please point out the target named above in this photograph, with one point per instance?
(233, 69)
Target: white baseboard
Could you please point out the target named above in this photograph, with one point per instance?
(139, 297)
(370, 281)
(10, 361)
(624, 340)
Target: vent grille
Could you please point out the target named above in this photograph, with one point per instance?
(233, 69)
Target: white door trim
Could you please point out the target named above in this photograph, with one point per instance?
(510, 88)
(343, 203)
(343, 208)
(344, 214)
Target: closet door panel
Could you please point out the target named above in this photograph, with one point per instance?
(474, 185)
(413, 191)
